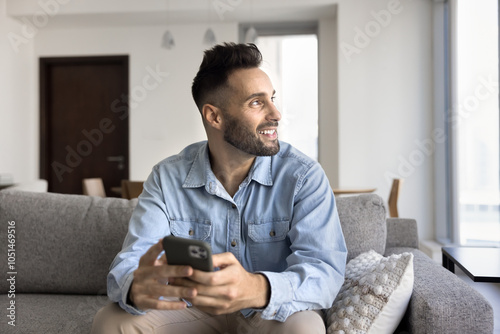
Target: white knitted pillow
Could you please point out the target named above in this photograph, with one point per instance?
(374, 296)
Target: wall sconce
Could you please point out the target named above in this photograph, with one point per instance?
(167, 41)
(209, 37)
(251, 35)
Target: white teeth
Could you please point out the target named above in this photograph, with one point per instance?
(267, 132)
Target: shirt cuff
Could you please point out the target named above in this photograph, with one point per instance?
(278, 307)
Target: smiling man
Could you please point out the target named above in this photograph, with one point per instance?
(266, 209)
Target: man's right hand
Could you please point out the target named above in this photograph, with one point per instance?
(150, 279)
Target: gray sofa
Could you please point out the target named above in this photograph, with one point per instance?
(64, 245)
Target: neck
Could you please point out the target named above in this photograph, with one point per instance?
(230, 165)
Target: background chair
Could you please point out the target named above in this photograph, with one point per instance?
(131, 189)
(393, 198)
(93, 187)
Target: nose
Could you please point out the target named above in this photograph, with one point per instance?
(273, 113)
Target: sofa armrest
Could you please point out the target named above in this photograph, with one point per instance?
(401, 233)
(441, 302)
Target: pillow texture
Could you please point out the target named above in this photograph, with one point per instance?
(374, 296)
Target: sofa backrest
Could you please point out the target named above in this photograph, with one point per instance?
(63, 243)
(363, 220)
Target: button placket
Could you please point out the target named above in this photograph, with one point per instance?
(234, 229)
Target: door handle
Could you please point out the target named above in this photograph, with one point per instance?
(118, 158)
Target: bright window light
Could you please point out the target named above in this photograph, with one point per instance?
(477, 119)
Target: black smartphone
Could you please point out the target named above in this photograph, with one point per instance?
(182, 251)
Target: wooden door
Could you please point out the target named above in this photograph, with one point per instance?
(84, 130)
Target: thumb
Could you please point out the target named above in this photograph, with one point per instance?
(149, 258)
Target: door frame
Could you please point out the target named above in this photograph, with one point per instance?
(44, 64)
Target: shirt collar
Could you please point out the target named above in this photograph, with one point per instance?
(261, 171)
(200, 173)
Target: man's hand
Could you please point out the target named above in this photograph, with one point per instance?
(150, 282)
(227, 290)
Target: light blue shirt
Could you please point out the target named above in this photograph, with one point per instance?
(282, 222)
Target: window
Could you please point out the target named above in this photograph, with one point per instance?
(291, 61)
(475, 104)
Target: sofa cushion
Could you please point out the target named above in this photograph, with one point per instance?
(63, 243)
(374, 296)
(46, 313)
(363, 223)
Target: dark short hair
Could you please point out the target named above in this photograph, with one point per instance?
(218, 63)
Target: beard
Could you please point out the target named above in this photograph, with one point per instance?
(245, 139)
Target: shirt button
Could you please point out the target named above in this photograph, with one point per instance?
(234, 206)
(272, 233)
(191, 232)
(233, 243)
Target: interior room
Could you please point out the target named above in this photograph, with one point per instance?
(385, 91)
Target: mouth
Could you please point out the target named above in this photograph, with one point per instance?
(269, 133)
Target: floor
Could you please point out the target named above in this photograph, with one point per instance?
(491, 291)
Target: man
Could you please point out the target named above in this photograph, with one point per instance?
(266, 209)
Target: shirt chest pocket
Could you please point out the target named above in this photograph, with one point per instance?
(268, 245)
(268, 231)
(191, 229)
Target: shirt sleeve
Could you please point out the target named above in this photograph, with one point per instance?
(148, 224)
(316, 265)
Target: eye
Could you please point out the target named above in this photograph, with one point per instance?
(273, 99)
(255, 103)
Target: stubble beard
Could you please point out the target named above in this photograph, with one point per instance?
(244, 139)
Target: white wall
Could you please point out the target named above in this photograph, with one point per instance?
(166, 120)
(18, 114)
(385, 101)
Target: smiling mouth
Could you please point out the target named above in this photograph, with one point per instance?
(267, 132)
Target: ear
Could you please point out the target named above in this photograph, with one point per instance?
(212, 115)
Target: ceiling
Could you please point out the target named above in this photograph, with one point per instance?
(91, 13)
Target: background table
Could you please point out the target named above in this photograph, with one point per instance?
(350, 191)
(480, 264)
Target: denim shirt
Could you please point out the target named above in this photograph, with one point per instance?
(282, 222)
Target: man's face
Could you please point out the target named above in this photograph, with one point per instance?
(250, 116)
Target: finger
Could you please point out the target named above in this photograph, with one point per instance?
(201, 289)
(161, 261)
(153, 273)
(158, 290)
(186, 282)
(223, 259)
(151, 255)
(148, 303)
(211, 304)
(208, 278)
(229, 272)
